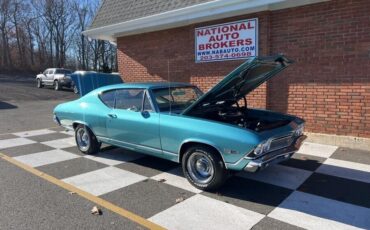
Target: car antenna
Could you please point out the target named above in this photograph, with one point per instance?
(169, 84)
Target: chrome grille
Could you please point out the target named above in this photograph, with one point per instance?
(281, 142)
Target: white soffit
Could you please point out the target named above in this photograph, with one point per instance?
(208, 11)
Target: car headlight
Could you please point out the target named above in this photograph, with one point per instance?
(299, 131)
(258, 150)
(262, 148)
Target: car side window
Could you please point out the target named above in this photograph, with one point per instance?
(108, 98)
(147, 105)
(46, 72)
(129, 99)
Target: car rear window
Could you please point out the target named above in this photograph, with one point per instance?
(129, 99)
(108, 98)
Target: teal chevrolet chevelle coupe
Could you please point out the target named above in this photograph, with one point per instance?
(210, 134)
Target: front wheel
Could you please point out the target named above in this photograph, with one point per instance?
(86, 141)
(204, 168)
(39, 83)
(56, 85)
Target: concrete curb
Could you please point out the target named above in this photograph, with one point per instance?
(341, 141)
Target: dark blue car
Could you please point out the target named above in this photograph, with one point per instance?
(86, 81)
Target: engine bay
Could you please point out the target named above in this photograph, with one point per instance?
(256, 120)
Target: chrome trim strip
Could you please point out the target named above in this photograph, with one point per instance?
(134, 146)
(170, 153)
(240, 160)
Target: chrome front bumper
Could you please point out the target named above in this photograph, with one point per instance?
(56, 120)
(275, 156)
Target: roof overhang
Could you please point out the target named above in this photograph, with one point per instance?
(213, 10)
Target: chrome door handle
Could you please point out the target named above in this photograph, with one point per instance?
(112, 115)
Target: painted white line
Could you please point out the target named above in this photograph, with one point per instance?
(104, 180)
(44, 158)
(318, 150)
(8, 143)
(201, 212)
(175, 178)
(346, 169)
(34, 133)
(279, 175)
(114, 157)
(61, 143)
(315, 212)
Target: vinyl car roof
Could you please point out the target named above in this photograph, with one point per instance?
(145, 85)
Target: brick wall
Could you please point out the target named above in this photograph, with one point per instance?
(329, 85)
(169, 54)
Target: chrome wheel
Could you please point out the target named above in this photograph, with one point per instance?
(38, 83)
(56, 85)
(75, 90)
(83, 139)
(200, 168)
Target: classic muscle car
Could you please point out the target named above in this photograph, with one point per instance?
(210, 134)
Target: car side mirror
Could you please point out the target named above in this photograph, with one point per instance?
(145, 114)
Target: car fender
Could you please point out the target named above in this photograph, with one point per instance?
(201, 141)
(75, 123)
(40, 76)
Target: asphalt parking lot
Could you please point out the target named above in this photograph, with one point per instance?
(46, 183)
(25, 107)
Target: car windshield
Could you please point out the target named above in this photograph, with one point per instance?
(176, 99)
(63, 71)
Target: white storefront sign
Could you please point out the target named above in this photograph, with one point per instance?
(228, 41)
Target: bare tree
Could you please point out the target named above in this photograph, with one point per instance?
(5, 16)
(47, 33)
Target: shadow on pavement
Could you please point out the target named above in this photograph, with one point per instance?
(325, 192)
(5, 105)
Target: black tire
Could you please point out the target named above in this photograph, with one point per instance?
(93, 145)
(219, 173)
(39, 83)
(57, 85)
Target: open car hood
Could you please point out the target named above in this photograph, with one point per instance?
(240, 82)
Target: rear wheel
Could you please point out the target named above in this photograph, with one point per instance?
(56, 85)
(86, 141)
(204, 168)
(39, 83)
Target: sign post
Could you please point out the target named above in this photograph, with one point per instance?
(228, 41)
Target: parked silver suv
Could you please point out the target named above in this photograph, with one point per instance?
(56, 77)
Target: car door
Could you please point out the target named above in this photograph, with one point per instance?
(47, 79)
(50, 76)
(133, 123)
(44, 76)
